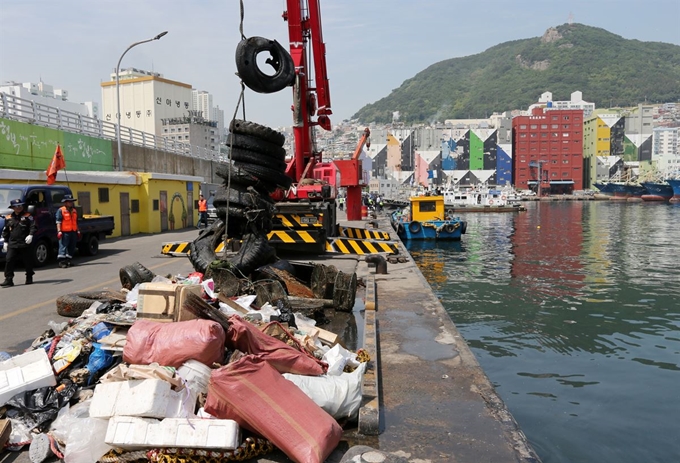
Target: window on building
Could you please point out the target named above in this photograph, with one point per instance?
(534, 126)
(555, 134)
(566, 118)
(534, 135)
(155, 205)
(544, 126)
(134, 206)
(565, 126)
(522, 135)
(554, 118)
(103, 195)
(544, 134)
(523, 126)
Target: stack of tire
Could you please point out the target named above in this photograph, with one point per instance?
(242, 203)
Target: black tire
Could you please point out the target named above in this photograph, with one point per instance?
(464, 228)
(449, 228)
(345, 291)
(400, 228)
(202, 249)
(250, 143)
(266, 174)
(248, 70)
(129, 277)
(258, 131)
(241, 198)
(254, 157)
(144, 273)
(42, 252)
(74, 304)
(255, 252)
(240, 176)
(89, 246)
(414, 227)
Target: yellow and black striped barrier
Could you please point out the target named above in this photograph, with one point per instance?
(297, 221)
(340, 245)
(363, 233)
(355, 246)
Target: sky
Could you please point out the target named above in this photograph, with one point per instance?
(372, 46)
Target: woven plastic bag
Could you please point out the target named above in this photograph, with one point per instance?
(172, 344)
(252, 393)
(245, 337)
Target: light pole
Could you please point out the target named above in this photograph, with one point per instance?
(120, 151)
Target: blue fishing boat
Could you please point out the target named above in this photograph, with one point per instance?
(425, 219)
(675, 184)
(657, 191)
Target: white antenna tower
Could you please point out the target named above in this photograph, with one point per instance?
(571, 18)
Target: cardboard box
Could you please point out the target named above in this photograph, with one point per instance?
(5, 431)
(162, 302)
(25, 372)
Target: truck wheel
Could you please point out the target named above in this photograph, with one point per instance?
(258, 131)
(42, 252)
(90, 245)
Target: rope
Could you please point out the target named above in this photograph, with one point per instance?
(117, 456)
(55, 447)
(53, 346)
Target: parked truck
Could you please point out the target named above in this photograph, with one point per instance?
(42, 201)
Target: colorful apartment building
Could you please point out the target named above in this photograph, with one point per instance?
(547, 149)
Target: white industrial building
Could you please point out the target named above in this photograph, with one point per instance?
(44, 94)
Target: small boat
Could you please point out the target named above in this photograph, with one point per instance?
(426, 219)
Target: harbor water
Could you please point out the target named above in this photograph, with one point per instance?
(573, 310)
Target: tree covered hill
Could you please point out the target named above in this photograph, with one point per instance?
(607, 68)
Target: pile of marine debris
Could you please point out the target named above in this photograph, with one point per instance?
(210, 364)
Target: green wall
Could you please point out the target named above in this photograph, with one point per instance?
(476, 152)
(31, 147)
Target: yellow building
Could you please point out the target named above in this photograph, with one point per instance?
(139, 202)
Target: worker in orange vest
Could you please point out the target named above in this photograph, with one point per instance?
(67, 231)
(202, 211)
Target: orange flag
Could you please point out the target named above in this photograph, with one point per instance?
(57, 163)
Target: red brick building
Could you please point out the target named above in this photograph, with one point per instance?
(547, 151)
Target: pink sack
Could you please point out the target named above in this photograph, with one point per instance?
(245, 337)
(252, 393)
(172, 344)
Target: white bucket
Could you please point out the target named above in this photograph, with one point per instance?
(196, 374)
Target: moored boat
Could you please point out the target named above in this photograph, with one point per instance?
(657, 191)
(675, 184)
(425, 219)
(479, 200)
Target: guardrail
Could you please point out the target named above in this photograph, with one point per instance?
(21, 109)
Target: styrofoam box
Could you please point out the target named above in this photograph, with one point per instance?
(132, 433)
(151, 398)
(25, 372)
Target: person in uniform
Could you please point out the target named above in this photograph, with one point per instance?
(202, 211)
(67, 231)
(18, 236)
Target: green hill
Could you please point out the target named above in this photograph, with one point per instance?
(607, 68)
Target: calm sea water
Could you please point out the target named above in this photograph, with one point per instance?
(573, 311)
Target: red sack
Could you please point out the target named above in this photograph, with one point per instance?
(172, 344)
(245, 337)
(252, 393)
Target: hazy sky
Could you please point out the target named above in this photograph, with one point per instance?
(372, 46)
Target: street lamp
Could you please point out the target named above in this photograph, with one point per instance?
(120, 151)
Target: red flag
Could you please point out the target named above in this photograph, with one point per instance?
(57, 163)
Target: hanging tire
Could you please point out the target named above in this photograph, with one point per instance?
(258, 131)
(247, 142)
(73, 305)
(463, 228)
(250, 73)
(400, 228)
(414, 227)
(265, 174)
(449, 228)
(255, 252)
(202, 249)
(254, 157)
(240, 176)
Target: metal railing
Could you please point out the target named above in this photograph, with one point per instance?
(21, 109)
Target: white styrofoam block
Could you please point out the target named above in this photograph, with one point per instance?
(134, 433)
(150, 398)
(25, 372)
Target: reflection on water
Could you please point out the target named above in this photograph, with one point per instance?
(573, 310)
